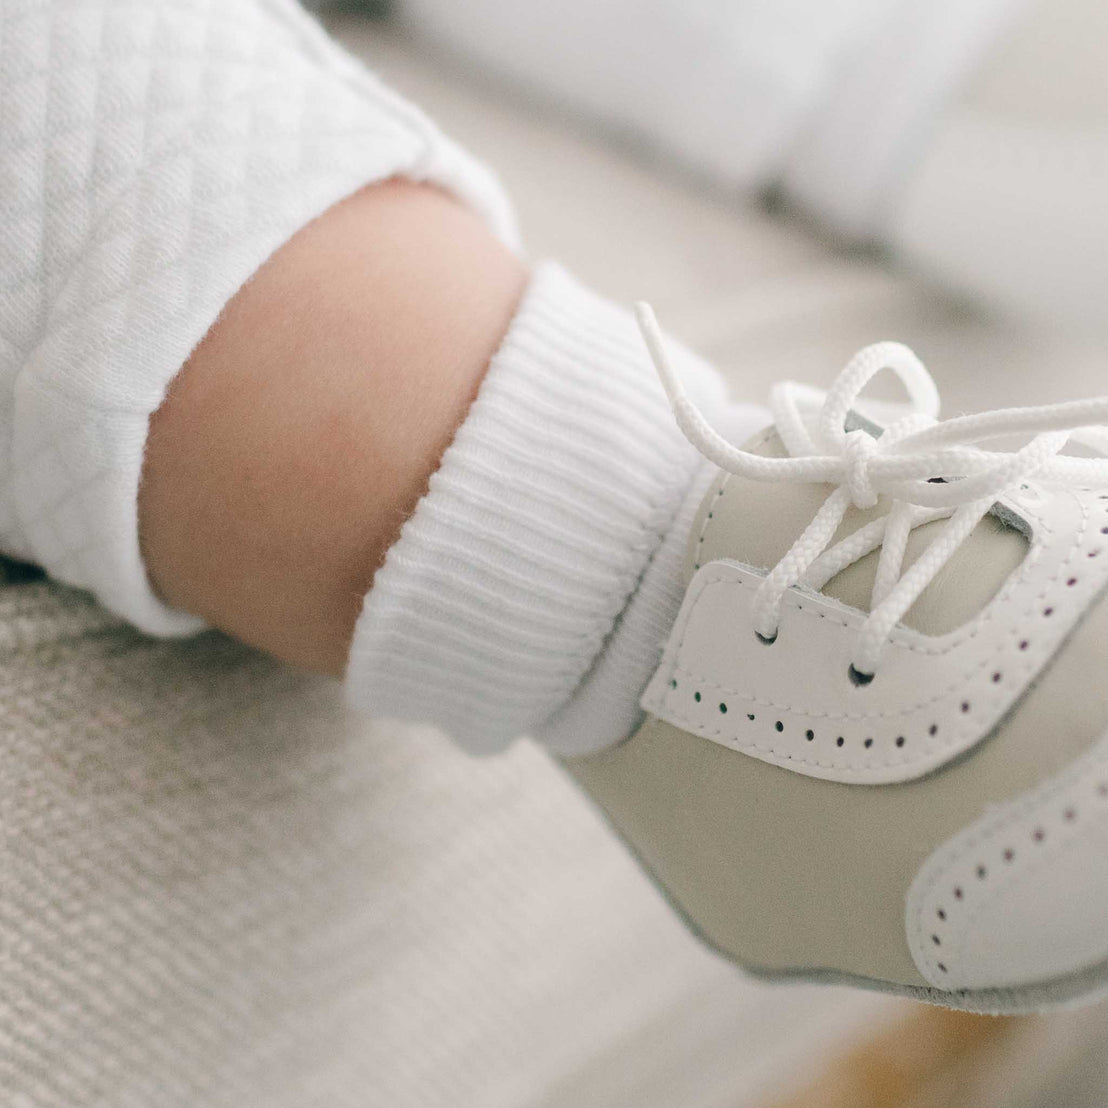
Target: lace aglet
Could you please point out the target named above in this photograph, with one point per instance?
(655, 343)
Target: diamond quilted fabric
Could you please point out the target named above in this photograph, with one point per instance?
(153, 153)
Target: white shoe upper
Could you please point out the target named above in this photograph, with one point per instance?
(933, 698)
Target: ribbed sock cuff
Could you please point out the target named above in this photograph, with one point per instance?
(532, 587)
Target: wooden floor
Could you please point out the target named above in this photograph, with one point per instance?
(931, 1059)
(934, 1058)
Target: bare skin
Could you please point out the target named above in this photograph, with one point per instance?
(304, 428)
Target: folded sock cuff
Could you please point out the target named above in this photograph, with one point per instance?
(531, 588)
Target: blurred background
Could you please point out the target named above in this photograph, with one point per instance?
(785, 182)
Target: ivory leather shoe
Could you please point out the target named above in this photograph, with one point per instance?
(876, 748)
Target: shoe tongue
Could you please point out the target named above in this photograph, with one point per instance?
(755, 522)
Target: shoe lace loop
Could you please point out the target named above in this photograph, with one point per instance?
(928, 469)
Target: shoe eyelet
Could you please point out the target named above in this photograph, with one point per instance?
(857, 677)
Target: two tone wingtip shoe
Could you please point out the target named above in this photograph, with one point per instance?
(876, 748)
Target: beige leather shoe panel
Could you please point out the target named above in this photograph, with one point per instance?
(788, 872)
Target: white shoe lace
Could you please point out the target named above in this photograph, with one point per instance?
(929, 469)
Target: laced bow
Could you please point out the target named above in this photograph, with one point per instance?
(928, 469)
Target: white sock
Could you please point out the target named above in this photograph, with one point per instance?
(531, 590)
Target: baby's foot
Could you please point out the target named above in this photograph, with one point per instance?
(877, 748)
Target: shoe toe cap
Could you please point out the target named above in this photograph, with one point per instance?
(1020, 897)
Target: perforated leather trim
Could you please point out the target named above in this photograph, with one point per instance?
(792, 703)
(1019, 896)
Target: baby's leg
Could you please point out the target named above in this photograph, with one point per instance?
(303, 429)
